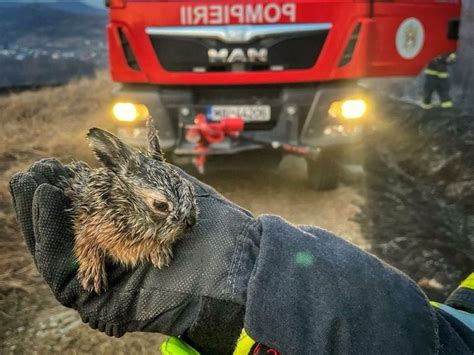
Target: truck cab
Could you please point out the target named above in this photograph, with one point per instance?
(288, 69)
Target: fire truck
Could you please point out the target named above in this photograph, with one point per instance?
(223, 77)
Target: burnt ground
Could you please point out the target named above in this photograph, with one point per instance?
(53, 122)
(418, 213)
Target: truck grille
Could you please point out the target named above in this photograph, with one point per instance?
(278, 51)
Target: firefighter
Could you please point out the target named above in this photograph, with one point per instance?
(242, 284)
(437, 81)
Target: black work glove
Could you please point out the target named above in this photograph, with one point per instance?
(201, 294)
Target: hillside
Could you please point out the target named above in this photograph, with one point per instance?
(36, 24)
(44, 44)
(78, 7)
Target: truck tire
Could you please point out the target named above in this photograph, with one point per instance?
(323, 172)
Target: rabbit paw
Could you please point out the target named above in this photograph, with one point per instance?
(161, 257)
(92, 276)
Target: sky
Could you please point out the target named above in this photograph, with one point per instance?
(95, 3)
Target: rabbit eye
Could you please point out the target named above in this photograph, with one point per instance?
(161, 206)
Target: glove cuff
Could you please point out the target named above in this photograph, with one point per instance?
(219, 322)
(217, 327)
(243, 262)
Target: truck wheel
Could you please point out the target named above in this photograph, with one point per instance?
(323, 172)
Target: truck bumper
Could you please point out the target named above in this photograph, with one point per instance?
(299, 116)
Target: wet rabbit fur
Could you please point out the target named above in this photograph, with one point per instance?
(129, 211)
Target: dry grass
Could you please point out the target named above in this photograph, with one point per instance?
(37, 124)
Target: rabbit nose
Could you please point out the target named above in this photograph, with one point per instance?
(190, 221)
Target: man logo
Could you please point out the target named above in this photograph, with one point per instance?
(237, 55)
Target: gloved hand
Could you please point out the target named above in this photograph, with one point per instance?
(202, 292)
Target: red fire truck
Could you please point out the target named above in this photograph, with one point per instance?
(224, 76)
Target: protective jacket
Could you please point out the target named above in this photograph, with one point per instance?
(314, 293)
(311, 292)
(439, 66)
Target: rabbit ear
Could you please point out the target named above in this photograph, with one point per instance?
(110, 150)
(154, 147)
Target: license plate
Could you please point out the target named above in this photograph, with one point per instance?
(250, 113)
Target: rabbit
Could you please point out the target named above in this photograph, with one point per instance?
(130, 211)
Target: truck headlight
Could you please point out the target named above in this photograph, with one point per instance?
(129, 112)
(351, 109)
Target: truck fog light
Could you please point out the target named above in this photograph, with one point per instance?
(352, 109)
(129, 112)
(348, 109)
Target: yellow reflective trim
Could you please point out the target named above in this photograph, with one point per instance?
(469, 282)
(244, 344)
(447, 104)
(439, 74)
(452, 57)
(426, 106)
(431, 72)
(175, 346)
(435, 304)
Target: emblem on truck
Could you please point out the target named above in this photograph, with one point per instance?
(237, 55)
(410, 38)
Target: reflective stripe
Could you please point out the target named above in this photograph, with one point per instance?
(431, 72)
(175, 346)
(447, 104)
(439, 74)
(425, 106)
(469, 282)
(464, 317)
(452, 58)
(244, 344)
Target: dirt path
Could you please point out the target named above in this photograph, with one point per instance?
(284, 192)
